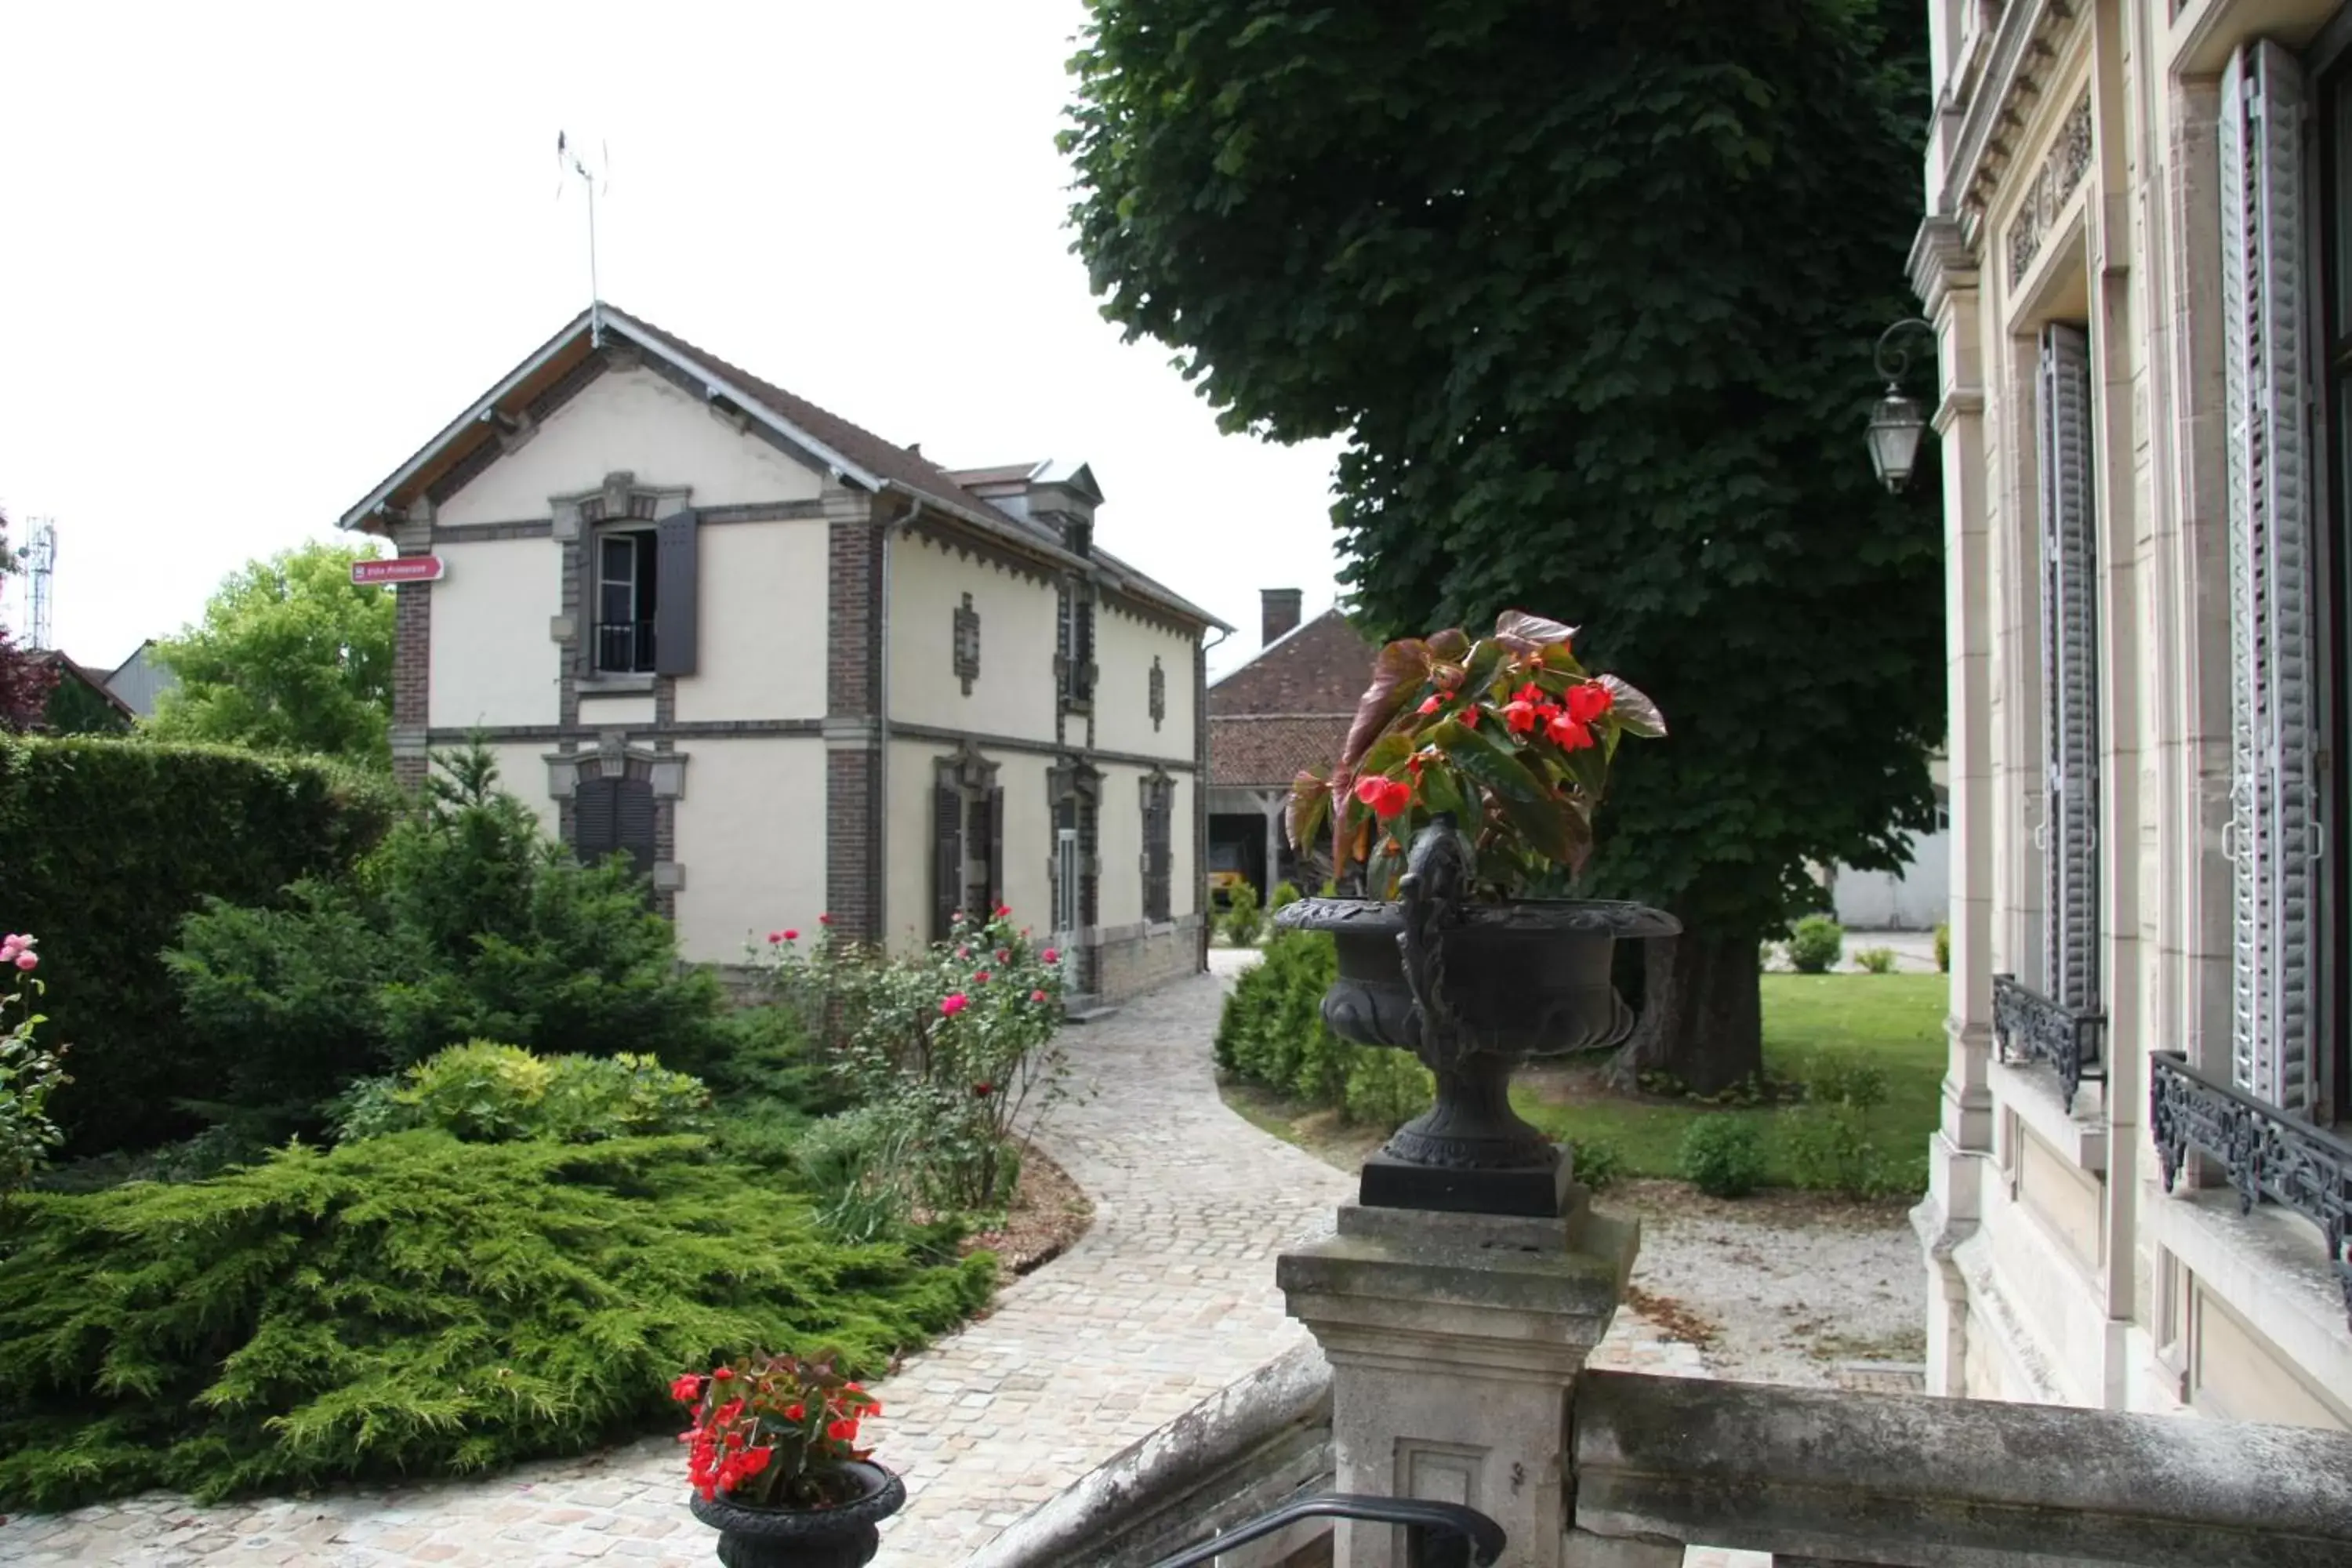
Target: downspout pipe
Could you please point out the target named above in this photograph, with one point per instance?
(1201, 784)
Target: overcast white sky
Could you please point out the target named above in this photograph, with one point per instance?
(252, 256)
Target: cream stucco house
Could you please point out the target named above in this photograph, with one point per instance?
(793, 668)
(2137, 263)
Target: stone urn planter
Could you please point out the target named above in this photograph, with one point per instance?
(843, 1536)
(1473, 989)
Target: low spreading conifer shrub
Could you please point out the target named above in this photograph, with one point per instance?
(409, 1306)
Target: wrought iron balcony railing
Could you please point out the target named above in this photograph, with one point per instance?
(2027, 1023)
(624, 647)
(2267, 1153)
(1436, 1534)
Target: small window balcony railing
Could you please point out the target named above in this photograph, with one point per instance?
(2028, 1024)
(624, 648)
(2266, 1154)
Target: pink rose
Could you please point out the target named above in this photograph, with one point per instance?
(981, 978)
(1050, 956)
(1036, 996)
(791, 936)
(952, 1004)
(774, 937)
(825, 920)
(27, 962)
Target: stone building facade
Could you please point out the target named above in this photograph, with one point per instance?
(2138, 264)
(792, 668)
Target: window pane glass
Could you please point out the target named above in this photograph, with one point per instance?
(2339, 218)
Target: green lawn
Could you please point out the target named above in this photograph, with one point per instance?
(1896, 1020)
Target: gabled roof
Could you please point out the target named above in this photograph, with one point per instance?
(1270, 749)
(855, 454)
(1319, 666)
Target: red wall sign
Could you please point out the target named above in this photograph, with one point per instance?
(399, 568)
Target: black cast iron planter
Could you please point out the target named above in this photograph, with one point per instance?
(1473, 989)
(840, 1537)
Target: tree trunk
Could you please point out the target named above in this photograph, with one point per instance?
(1700, 1014)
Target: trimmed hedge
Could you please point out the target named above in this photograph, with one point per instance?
(104, 846)
(1271, 1034)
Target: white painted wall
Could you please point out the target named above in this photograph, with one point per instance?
(493, 660)
(1119, 900)
(1124, 647)
(1028, 838)
(605, 712)
(751, 836)
(907, 844)
(761, 650)
(1019, 623)
(631, 420)
(1917, 898)
(522, 774)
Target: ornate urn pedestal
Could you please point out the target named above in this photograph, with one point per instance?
(1473, 990)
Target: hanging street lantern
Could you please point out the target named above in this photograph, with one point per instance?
(1897, 423)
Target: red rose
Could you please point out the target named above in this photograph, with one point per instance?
(791, 936)
(979, 978)
(1037, 997)
(983, 1090)
(825, 920)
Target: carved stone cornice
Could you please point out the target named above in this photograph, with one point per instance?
(2053, 186)
(1941, 263)
(2018, 60)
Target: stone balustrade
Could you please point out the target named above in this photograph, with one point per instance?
(1896, 1478)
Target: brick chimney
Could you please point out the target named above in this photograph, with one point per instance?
(1278, 611)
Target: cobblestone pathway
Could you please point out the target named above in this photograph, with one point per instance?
(1168, 1298)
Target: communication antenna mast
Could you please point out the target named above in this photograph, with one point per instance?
(39, 555)
(569, 160)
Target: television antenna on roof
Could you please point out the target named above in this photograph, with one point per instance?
(39, 555)
(570, 160)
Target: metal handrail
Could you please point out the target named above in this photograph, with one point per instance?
(1436, 1534)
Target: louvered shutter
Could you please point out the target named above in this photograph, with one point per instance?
(2070, 671)
(594, 833)
(996, 847)
(677, 544)
(2271, 840)
(633, 823)
(947, 857)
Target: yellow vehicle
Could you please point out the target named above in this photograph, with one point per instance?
(1225, 873)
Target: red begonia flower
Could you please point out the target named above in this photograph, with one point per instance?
(1588, 702)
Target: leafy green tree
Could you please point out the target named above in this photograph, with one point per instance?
(1590, 289)
(291, 656)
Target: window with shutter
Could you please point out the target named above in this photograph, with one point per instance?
(613, 816)
(677, 544)
(2271, 840)
(2070, 686)
(946, 857)
(625, 592)
(1158, 815)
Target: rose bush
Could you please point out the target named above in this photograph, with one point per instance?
(952, 1045)
(29, 1072)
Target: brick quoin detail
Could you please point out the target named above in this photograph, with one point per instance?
(852, 814)
(853, 775)
(853, 651)
(411, 672)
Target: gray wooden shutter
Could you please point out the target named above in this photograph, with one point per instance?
(594, 831)
(678, 546)
(996, 847)
(2070, 671)
(2271, 836)
(947, 857)
(633, 823)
